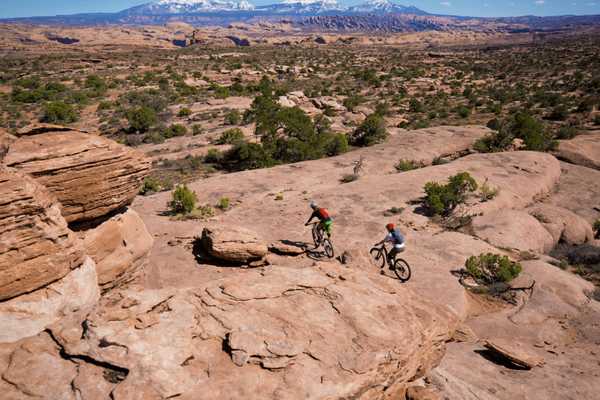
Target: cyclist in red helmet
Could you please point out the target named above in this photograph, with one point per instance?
(395, 237)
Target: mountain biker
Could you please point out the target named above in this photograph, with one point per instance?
(325, 220)
(398, 243)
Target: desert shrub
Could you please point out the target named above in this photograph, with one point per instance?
(492, 268)
(566, 132)
(370, 132)
(184, 112)
(353, 101)
(559, 113)
(57, 112)
(213, 156)
(493, 124)
(519, 126)
(174, 130)
(197, 130)
(349, 178)
(150, 98)
(415, 106)
(463, 111)
(486, 192)
(336, 144)
(248, 156)
(154, 137)
(230, 136)
(150, 185)
(223, 203)
(442, 199)
(233, 117)
(96, 84)
(104, 105)
(141, 119)
(408, 165)
(183, 200)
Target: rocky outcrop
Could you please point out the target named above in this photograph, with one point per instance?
(5, 140)
(36, 248)
(29, 314)
(582, 150)
(118, 246)
(514, 353)
(338, 337)
(562, 224)
(90, 175)
(236, 245)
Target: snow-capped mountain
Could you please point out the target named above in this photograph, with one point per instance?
(189, 6)
(385, 7)
(291, 7)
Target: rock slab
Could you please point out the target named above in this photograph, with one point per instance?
(236, 245)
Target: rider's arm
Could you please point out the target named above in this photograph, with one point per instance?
(312, 216)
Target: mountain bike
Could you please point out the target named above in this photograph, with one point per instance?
(319, 239)
(398, 265)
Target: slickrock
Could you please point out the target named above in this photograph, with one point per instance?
(29, 314)
(90, 175)
(276, 333)
(237, 245)
(583, 150)
(422, 393)
(36, 248)
(512, 229)
(118, 246)
(514, 352)
(563, 224)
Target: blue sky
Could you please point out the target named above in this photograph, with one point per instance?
(25, 8)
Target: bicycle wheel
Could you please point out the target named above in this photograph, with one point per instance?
(378, 256)
(402, 270)
(328, 247)
(317, 235)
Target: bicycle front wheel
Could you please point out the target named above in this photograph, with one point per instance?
(377, 256)
(317, 235)
(328, 248)
(402, 270)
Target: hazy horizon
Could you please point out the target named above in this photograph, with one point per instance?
(36, 8)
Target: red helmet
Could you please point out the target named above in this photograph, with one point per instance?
(390, 227)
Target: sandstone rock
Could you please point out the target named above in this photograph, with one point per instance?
(421, 393)
(118, 247)
(90, 175)
(31, 313)
(563, 224)
(284, 101)
(582, 150)
(286, 249)
(513, 229)
(224, 339)
(237, 245)
(328, 102)
(36, 248)
(514, 352)
(5, 140)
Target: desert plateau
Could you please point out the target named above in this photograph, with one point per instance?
(158, 166)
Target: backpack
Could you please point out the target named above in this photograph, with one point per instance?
(324, 214)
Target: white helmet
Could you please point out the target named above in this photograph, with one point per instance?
(313, 205)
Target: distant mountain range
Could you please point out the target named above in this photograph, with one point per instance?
(330, 15)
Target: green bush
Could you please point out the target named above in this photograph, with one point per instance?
(223, 203)
(353, 101)
(248, 156)
(519, 126)
(370, 132)
(566, 132)
(231, 136)
(463, 111)
(58, 112)
(415, 106)
(213, 156)
(174, 130)
(233, 117)
(183, 200)
(150, 185)
(492, 268)
(442, 199)
(184, 112)
(487, 192)
(141, 119)
(349, 178)
(408, 165)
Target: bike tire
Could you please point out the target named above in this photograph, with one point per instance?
(402, 270)
(328, 247)
(377, 256)
(317, 236)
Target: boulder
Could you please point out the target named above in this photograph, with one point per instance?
(287, 249)
(582, 150)
(563, 224)
(236, 245)
(37, 248)
(31, 313)
(512, 229)
(90, 175)
(285, 101)
(422, 393)
(514, 352)
(118, 246)
(328, 102)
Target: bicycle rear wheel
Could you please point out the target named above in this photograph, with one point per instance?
(378, 256)
(328, 248)
(402, 270)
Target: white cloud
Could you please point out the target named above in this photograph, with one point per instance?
(540, 2)
(446, 3)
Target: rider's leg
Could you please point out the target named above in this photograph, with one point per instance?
(327, 228)
(392, 257)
